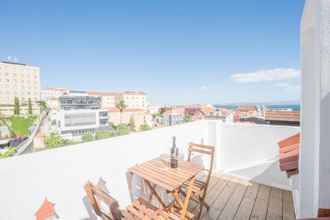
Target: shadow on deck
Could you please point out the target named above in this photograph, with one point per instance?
(232, 198)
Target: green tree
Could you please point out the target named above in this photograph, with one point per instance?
(145, 127)
(87, 137)
(8, 153)
(17, 107)
(30, 107)
(121, 106)
(132, 123)
(54, 140)
(122, 129)
(187, 118)
(103, 134)
(43, 105)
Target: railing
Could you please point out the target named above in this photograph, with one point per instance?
(60, 174)
(26, 145)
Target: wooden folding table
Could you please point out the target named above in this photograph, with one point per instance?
(158, 173)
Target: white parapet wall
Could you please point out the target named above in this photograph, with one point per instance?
(252, 152)
(60, 174)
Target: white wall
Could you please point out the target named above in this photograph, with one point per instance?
(59, 174)
(252, 152)
(314, 167)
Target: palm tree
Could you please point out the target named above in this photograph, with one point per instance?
(121, 106)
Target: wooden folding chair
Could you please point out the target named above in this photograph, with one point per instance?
(101, 200)
(143, 210)
(200, 187)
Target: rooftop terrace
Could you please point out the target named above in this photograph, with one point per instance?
(249, 154)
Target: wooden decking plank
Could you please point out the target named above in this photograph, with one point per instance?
(245, 209)
(261, 204)
(288, 209)
(233, 204)
(211, 196)
(222, 199)
(275, 209)
(213, 193)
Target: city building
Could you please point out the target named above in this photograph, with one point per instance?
(73, 123)
(138, 116)
(80, 114)
(247, 111)
(108, 99)
(133, 99)
(282, 117)
(208, 110)
(71, 102)
(21, 81)
(51, 97)
(173, 116)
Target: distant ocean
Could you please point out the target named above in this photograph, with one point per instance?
(293, 107)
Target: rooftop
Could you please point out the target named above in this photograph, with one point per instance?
(248, 178)
(12, 62)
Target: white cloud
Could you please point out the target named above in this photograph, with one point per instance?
(279, 74)
(288, 86)
(204, 88)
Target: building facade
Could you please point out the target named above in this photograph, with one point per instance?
(108, 99)
(76, 122)
(69, 102)
(51, 97)
(133, 99)
(21, 81)
(79, 115)
(313, 191)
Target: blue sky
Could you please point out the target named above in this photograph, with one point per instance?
(176, 51)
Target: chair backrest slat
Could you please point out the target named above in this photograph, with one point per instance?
(96, 196)
(206, 150)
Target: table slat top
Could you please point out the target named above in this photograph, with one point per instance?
(159, 172)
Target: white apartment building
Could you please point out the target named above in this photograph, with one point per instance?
(72, 124)
(134, 99)
(21, 81)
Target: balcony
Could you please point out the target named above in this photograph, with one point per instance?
(247, 180)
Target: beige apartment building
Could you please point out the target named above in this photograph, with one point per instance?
(51, 97)
(134, 99)
(108, 99)
(21, 81)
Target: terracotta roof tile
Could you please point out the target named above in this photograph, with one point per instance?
(95, 93)
(289, 154)
(290, 116)
(246, 108)
(45, 211)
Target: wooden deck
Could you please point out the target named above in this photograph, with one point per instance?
(233, 199)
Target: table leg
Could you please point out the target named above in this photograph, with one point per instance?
(153, 192)
(177, 198)
(129, 177)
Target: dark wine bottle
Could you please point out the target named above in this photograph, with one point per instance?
(174, 154)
